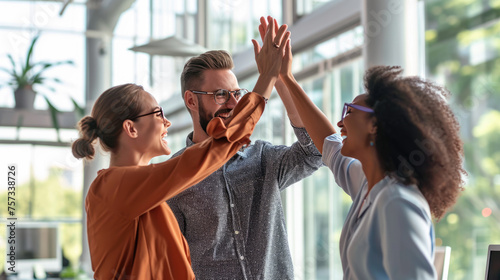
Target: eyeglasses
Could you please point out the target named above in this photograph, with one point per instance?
(359, 107)
(154, 112)
(221, 96)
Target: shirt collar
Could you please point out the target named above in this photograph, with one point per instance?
(373, 193)
(189, 139)
(378, 187)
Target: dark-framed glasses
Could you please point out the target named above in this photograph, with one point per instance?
(221, 96)
(355, 106)
(154, 112)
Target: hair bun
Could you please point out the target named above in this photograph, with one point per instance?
(82, 147)
(88, 128)
(90, 122)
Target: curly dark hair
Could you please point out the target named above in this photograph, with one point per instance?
(417, 138)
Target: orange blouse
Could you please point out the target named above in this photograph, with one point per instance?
(132, 232)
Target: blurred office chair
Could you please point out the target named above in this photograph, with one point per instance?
(442, 262)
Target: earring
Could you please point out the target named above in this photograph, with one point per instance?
(371, 143)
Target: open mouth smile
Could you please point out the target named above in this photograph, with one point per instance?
(224, 114)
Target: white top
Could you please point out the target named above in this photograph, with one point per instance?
(392, 236)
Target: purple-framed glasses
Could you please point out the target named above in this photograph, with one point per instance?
(352, 105)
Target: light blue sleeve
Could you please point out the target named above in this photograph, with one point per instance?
(347, 171)
(406, 240)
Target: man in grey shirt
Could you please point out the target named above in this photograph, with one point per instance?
(233, 220)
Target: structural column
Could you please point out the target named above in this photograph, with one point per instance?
(101, 22)
(393, 34)
(98, 79)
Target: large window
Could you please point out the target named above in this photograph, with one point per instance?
(146, 21)
(337, 47)
(20, 21)
(232, 24)
(462, 53)
(326, 204)
(305, 7)
(49, 180)
(49, 187)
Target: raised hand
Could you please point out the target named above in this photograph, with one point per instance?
(263, 27)
(269, 57)
(286, 65)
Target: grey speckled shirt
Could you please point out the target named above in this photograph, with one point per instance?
(233, 220)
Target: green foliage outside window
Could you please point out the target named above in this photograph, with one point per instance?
(462, 41)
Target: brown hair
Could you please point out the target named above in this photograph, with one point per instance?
(192, 74)
(113, 106)
(417, 138)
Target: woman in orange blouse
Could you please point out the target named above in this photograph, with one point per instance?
(132, 232)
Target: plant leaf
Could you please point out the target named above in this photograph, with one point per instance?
(47, 64)
(12, 61)
(51, 88)
(10, 72)
(53, 114)
(30, 52)
(36, 80)
(30, 73)
(14, 66)
(55, 80)
(79, 111)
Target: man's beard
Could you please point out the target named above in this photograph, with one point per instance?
(205, 117)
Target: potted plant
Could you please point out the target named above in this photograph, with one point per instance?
(25, 75)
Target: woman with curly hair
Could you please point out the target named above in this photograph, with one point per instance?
(399, 157)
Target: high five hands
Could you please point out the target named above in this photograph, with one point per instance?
(275, 52)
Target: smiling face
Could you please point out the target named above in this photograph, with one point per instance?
(152, 129)
(357, 129)
(207, 108)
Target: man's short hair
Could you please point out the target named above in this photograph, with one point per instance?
(192, 75)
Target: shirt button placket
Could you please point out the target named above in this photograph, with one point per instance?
(238, 237)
